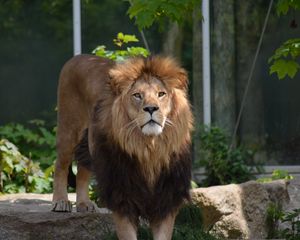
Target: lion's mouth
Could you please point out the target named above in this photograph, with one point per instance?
(151, 122)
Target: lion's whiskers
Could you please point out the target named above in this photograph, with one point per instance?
(169, 123)
(129, 124)
(130, 127)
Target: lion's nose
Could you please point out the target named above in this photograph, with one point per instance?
(150, 109)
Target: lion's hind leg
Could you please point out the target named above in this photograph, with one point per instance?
(66, 142)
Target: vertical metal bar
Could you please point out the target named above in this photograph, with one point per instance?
(206, 63)
(76, 27)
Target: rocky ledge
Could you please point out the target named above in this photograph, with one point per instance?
(235, 211)
(28, 216)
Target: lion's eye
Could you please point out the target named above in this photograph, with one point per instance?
(161, 94)
(137, 96)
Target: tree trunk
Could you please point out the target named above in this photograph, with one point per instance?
(173, 41)
(197, 83)
(249, 20)
(223, 64)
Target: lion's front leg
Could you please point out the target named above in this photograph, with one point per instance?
(163, 230)
(125, 229)
(60, 201)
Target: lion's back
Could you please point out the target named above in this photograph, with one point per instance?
(83, 79)
(85, 75)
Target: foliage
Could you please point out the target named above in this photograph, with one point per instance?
(188, 226)
(120, 55)
(194, 185)
(222, 164)
(36, 140)
(275, 216)
(189, 223)
(285, 61)
(19, 173)
(148, 12)
(276, 175)
(292, 232)
(283, 6)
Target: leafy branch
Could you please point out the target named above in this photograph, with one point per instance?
(285, 61)
(146, 13)
(283, 6)
(121, 54)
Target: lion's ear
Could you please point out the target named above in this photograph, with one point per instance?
(177, 79)
(170, 72)
(115, 76)
(182, 79)
(119, 80)
(124, 74)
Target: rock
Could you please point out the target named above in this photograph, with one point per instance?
(28, 216)
(235, 211)
(239, 211)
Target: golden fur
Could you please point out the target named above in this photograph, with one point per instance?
(153, 152)
(141, 107)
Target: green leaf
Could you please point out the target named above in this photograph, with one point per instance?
(120, 36)
(138, 51)
(283, 6)
(290, 48)
(99, 51)
(193, 185)
(49, 171)
(148, 12)
(19, 168)
(284, 67)
(130, 38)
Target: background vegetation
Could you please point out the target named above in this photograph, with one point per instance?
(34, 49)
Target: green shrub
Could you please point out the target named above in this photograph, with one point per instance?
(275, 216)
(276, 175)
(34, 140)
(222, 164)
(19, 173)
(292, 232)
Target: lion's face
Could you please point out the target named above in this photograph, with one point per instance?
(149, 104)
(149, 107)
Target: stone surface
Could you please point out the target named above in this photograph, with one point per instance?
(238, 211)
(28, 216)
(235, 211)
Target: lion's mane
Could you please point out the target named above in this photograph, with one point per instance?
(141, 175)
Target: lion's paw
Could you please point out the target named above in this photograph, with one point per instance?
(88, 206)
(62, 206)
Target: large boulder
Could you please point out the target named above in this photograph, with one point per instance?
(235, 211)
(239, 211)
(28, 216)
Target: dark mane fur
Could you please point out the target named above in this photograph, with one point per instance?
(124, 189)
(81, 151)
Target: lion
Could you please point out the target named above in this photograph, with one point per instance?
(130, 124)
